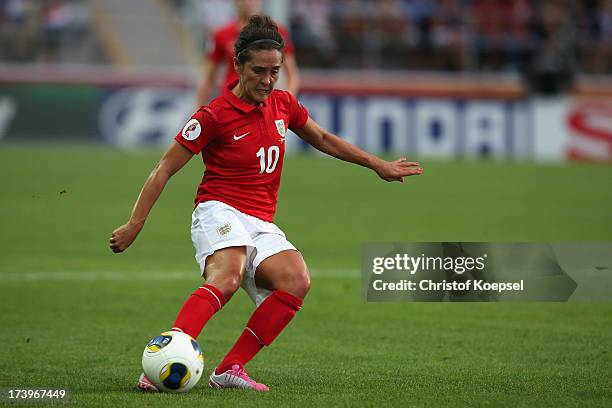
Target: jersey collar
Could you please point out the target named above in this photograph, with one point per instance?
(236, 101)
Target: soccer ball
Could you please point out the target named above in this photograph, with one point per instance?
(173, 361)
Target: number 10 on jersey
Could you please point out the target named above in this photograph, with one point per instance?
(268, 165)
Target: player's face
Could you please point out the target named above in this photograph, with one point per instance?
(259, 74)
(247, 8)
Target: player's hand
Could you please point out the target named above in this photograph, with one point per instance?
(398, 169)
(122, 237)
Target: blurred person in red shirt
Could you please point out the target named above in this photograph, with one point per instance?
(221, 52)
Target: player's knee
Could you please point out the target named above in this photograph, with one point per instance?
(303, 285)
(233, 281)
(225, 270)
(227, 281)
(296, 282)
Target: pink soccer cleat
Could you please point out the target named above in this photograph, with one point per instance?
(237, 377)
(144, 384)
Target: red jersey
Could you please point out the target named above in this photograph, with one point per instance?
(242, 147)
(223, 47)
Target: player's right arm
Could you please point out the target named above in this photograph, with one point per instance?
(172, 161)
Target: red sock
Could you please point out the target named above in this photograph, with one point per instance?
(266, 323)
(198, 309)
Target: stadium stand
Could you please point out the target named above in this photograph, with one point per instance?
(497, 35)
(547, 43)
(162, 43)
(48, 31)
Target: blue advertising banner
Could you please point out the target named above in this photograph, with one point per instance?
(133, 117)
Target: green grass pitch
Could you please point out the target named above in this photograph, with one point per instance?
(76, 316)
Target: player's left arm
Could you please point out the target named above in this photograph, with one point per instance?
(335, 146)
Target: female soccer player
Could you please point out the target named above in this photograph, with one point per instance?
(241, 138)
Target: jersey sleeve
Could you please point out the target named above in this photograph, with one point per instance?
(215, 47)
(298, 114)
(198, 132)
(289, 50)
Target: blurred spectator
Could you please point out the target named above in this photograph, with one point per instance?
(19, 30)
(310, 28)
(595, 48)
(209, 14)
(51, 31)
(519, 44)
(56, 23)
(490, 28)
(603, 64)
(552, 68)
(421, 14)
(350, 26)
(389, 31)
(450, 35)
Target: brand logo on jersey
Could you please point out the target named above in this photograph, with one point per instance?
(224, 229)
(238, 137)
(192, 130)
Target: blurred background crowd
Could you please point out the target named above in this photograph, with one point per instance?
(454, 34)
(50, 31)
(537, 38)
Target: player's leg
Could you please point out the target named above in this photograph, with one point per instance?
(285, 271)
(284, 274)
(221, 243)
(224, 271)
(220, 240)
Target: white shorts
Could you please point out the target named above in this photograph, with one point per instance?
(216, 225)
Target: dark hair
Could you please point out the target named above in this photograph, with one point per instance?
(261, 33)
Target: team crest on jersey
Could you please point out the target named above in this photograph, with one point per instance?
(280, 127)
(224, 229)
(192, 130)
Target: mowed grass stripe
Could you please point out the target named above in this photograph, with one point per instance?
(144, 276)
